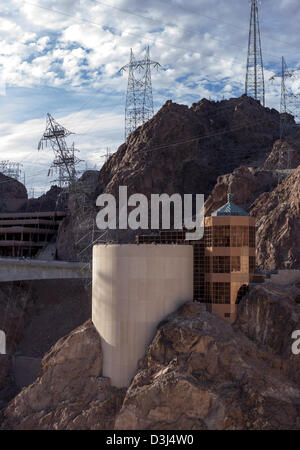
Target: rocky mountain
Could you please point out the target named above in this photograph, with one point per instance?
(196, 149)
(247, 184)
(52, 200)
(285, 153)
(13, 194)
(184, 149)
(278, 224)
(199, 372)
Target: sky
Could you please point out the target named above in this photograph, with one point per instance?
(63, 57)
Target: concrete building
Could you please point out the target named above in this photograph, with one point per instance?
(223, 261)
(229, 258)
(25, 234)
(134, 288)
(137, 286)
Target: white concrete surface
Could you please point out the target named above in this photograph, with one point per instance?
(14, 269)
(134, 288)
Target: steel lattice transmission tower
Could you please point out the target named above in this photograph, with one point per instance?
(11, 169)
(287, 98)
(139, 98)
(255, 83)
(65, 161)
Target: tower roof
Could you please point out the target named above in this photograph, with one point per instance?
(230, 208)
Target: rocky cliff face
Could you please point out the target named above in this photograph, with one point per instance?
(69, 392)
(268, 316)
(278, 223)
(13, 194)
(199, 372)
(184, 149)
(286, 153)
(247, 183)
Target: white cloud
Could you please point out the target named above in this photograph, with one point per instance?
(201, 46)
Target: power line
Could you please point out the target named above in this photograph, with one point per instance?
(217, 19)
(143, 37)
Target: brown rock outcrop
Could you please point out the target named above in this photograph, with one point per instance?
(247, 183)
(278, 223)
(69, 392)
(184, 149)
(279, 159)
(52, 200)
(13, 194)
(199, 373)
(268, 316)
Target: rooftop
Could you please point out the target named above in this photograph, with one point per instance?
(230, 208)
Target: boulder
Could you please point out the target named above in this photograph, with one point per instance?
(277, 216)
(199, 373)
(70, 392)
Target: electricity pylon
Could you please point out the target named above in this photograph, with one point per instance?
(11, 169)
(286, 98)
(65, 161)
(139, 98)
(255, 83)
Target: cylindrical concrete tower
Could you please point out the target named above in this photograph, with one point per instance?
(134, 288)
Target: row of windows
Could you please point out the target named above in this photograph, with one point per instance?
(220, 293)
(223, 264)
(229, 236)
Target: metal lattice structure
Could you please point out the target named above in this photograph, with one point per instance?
(288, 100)
(288, 103)
(11, 169)
(65, 161)
(107, 155)
(255, 84)
(139, 98)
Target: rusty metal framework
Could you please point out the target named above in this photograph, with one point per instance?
(65, 161)
(139, 97)
(255, 84)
